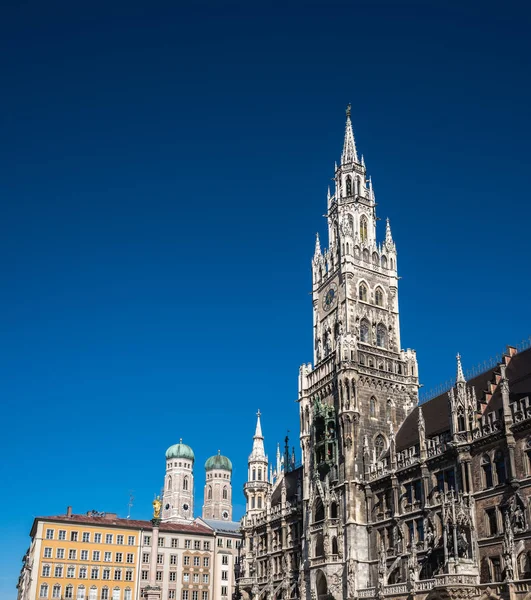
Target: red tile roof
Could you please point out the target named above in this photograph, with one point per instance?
(192, 528)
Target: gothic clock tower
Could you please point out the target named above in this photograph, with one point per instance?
(361, 384)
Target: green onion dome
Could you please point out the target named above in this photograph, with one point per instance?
(218, 462)
(180, 450)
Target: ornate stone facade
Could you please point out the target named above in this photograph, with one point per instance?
(391, 499)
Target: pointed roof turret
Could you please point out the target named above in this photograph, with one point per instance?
(349, 145)
(460, 376)
(317, 252)
(258, 441)
(388, 236)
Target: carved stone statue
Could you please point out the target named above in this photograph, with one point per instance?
(351, 578)
(157, 505)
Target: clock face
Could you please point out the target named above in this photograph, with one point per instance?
(330, 297)
(225, 514)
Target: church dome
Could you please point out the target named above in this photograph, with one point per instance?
(218, 462)
(180, 450)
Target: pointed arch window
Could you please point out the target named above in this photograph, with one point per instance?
(486, 467)
(372, 407)
(379, 445)
(334, 545)
(363, 229)
(366, 255)
(378, 297)
(169, 482)
(381, 336)
(349, 186)
(259, 474)
(254, 474)
(209, 493)
(185, 483)
(363, 293)
(225, 493)
(384, 262)
(375, 260)
(499, 461)
(364, 332)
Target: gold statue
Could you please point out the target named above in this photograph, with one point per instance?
(157, 505)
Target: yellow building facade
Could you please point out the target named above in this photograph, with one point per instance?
(83, 557)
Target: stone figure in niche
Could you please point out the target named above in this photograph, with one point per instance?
(319, 353)
(462, 543)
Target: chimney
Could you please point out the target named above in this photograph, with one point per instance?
(68, 511)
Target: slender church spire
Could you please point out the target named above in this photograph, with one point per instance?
(258, 440)
(460, 376)
(388, 236)
(349, 145)
(317, 246)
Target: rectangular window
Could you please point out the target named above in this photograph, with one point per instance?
(49, 534)
(117, 574)
(224, 560)
(220, 543)
(120, 539)
(83, 573)
(72, 554)
(96, 555)
(196, 578)
(73, 536)
(108, 538)
(206, 545)
(173, 559)
(105, 593)
(160, 559)
(107, 557)
(492, 523)
(131, 540)
(158, 577)
(496, 568)
(229, 543)
(84, 554)
(47, 553)
(224, 590)
(161, 542)
(195, 594)
(129, 575)
(197, 561)
(186, 577)
(130, 558)
(186, 561)
(185, 594)
(94, 573)
(206, 561)
(145, 557)
(225, 575)
(147, 540)
(44, 591)
(97, 538)
(46, 571)
(56, 591)
(93, 593)
(171, 595)
(420, 529)
(187, 544)
(205, 578)
(106, 574)
(62, 534)
(60, 553)
(71, 572)
(173, 576)
(204, 596)
(174, 542)
(85, 537)
(119, 557)
(197, 545)
(144, 575)
(68, 591)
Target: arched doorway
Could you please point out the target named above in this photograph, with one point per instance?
(321, 585)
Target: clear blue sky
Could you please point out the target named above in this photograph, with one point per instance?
(163, 171)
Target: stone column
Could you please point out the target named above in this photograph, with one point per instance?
(153, 591)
